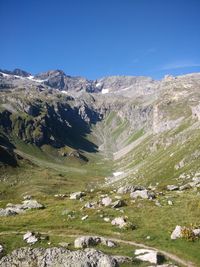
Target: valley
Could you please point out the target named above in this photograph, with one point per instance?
(131, 145)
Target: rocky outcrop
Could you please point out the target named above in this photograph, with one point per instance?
(51, 257)
(14, 209)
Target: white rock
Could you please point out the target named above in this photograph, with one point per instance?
(1, 249)
(172, 187)
(106, 201)
(84, 217)
(119, 221)
(149, 255)
(30, 238)
(170, 203)
(106, 219)
(177, 232)
(196, 232)
(143, 193)
(77, 195)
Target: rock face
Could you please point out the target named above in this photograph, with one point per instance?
(149, 255)
(51, 257)
(87, 241)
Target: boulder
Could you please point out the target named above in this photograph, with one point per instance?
(30, 238)
(119, 221)
(106, 201)
(13, 209)
(185, 187)
(145, 194)
(177, 233)
(77, 195)
(129, 189)
(31, 204)
(149, 255)
(54, 256)
(172, 187)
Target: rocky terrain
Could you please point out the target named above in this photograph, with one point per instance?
(114, 157)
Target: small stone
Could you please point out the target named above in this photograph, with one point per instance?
(77, 195)
(27, 197)
(118, 204)
(170, 203)
(106, 219)
(84, 217)
(30, 238)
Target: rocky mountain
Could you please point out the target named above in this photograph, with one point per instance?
(126, 135)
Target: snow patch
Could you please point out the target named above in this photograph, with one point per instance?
(32, 78)
(64, 92)
(105, 91)
(4, 74)
(117, 173)
(98, 85)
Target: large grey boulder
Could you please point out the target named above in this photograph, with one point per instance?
(129, 189)
(31, 204)
(57, 257)
(145, 194)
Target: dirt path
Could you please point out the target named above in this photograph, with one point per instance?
(168, 255)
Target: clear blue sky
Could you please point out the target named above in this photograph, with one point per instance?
(95, 38)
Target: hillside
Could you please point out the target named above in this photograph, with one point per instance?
(114, 137)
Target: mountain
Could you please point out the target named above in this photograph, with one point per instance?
(60, 133)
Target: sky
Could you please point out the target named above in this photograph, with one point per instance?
(97, 38)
